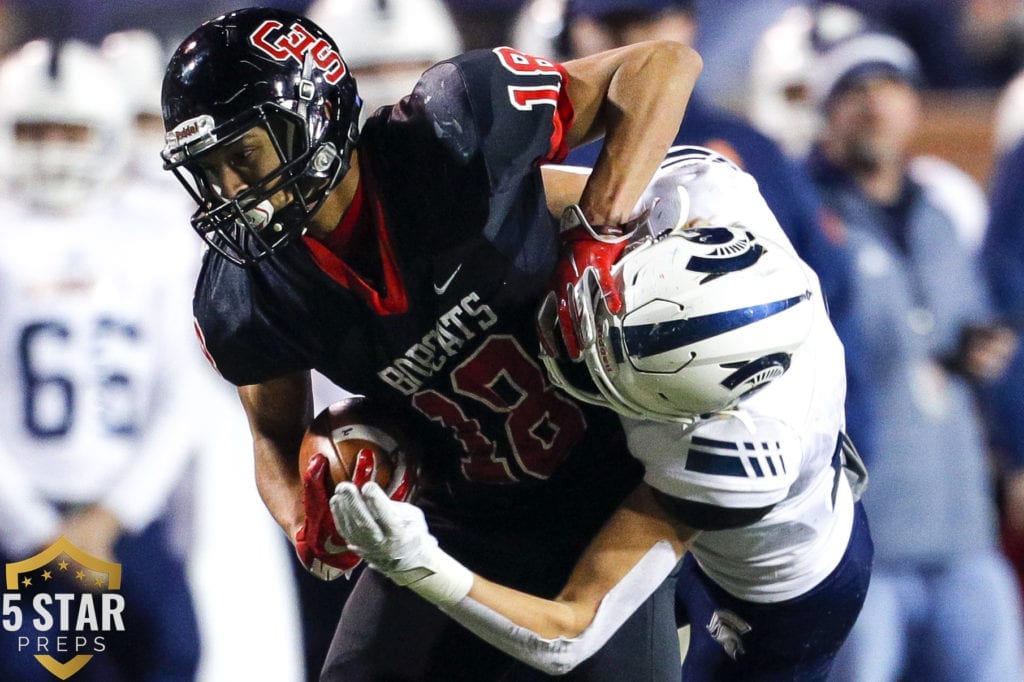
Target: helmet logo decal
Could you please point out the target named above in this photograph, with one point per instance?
(295, 44)
(190, 131)
(729, 250)
(759, 372)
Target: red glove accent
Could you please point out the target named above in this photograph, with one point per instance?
(584, 247)
(319, 546)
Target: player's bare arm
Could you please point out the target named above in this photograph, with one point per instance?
(634, 96)
(622, 567)
(279, 411)
(637, 526)
(563, 186)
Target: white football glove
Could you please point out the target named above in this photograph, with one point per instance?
(394, 539)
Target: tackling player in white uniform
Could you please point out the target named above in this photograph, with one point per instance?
(96, 354)
(729, 379)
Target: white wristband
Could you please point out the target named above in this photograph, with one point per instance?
(441, 579)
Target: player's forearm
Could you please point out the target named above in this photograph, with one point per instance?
(643, 109)
(278, 411)
(279, 486)
(622, 567)
(625, 542)
(555, 637)
(544, 617)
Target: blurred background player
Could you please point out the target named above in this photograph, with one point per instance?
(1003, 258)
(942, 604)
(388, 43)
(779, 102)
(139, 56)
(96, 432)
(223, 599)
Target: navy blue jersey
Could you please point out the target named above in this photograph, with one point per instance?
(445, 336)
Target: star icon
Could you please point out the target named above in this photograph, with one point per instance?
(80, 575)
(99, 581)
(63, 565)
(26, 581)
(47, 575)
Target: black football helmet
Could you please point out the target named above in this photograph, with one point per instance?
(269, 69)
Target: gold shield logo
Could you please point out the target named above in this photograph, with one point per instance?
(62, 601)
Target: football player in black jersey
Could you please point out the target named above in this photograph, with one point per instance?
(405, 261)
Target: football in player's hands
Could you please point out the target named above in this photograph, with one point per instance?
(349, 441)
(360, 445)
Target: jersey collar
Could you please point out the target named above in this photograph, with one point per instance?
(365, 206)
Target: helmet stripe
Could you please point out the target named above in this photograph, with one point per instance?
(645, 340)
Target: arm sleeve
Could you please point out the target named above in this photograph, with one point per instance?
(235, 333)
(557, 656)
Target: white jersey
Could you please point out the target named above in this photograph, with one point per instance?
(775, 448)
(97, 352)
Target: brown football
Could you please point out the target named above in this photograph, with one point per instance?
(344, 428)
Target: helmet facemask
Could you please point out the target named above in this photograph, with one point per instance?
(277, 73)
(248, 227)
(710, 315)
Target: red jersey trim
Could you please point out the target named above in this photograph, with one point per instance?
(397, 300)
(561, 120)
(202, 345)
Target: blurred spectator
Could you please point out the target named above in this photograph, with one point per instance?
(1004, 245)
(1009, 116)
(785, 93)
(1003, 252)
(961, 43)
(942, 604)
(594, 25)
(98, 435)
(484, 23)
(726, 40)
(388, 44)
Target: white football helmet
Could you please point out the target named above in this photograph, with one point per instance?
(139, 59)
(388, 44)
(74, 88)
(780, 102)
(710, 314)
(1009, 116)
